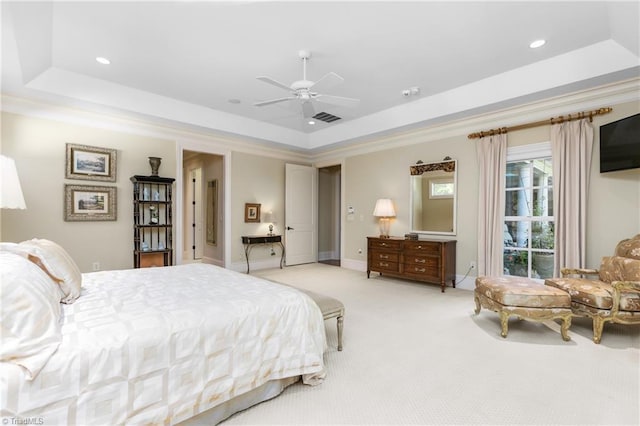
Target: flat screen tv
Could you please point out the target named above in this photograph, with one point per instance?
(620, 144)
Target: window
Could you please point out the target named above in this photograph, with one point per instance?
(441, 188)
(529, 223)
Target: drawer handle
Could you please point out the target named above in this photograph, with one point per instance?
(383, 244)
(420, 260)
(384, 264)
(384, 256)
(420, 269)
(419, 247)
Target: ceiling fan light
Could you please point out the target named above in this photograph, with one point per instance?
(102, 60)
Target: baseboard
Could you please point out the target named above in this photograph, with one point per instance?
(468, 283)
(256, 265)
(328, 255)
(356, 265)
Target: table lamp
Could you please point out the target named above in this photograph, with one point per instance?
(384, 210)
(11, 196)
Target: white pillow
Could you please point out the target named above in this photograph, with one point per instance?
(30, 314)
(58, 264)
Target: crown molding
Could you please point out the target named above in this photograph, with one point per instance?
(601, 96)
(605, 95)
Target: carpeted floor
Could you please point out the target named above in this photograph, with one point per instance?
(414, 355)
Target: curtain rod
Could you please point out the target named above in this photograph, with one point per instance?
(552, 120)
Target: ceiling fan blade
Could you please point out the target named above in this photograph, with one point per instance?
(307, 109)
(327, 81)
(274, 101)
(338, 100)
(273, 82)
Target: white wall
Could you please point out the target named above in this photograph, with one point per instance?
(38, 147)
(375, 169)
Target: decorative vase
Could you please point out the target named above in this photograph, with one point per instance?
(155, 165)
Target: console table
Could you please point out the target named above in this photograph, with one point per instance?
(251, 240)
(432, 261)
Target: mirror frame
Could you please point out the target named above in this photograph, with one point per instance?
(446, 165)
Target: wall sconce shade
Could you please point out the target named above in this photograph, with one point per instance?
(384, 210)
(11, 196)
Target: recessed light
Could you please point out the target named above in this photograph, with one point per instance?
(311, 122)
(103, 61)
(537, 43)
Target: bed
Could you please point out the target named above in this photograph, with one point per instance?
(146, 346)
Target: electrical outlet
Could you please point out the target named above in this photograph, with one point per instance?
(472, 264)
(96, 266)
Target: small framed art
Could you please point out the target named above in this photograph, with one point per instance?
(251, 212)
(85, 203)
(90, 163)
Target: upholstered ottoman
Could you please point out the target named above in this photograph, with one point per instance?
(330, 308)
(524, 298)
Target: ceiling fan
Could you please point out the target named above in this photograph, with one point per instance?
(307, 91)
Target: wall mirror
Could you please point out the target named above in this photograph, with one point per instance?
(433, 197)
(212, 212)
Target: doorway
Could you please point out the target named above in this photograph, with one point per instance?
(329, 218)
(199, 170)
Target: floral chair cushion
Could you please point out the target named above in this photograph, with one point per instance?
(599, 293)
(594, 293)
(522, 292)
(629, 248)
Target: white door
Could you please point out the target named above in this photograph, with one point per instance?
(301, 214)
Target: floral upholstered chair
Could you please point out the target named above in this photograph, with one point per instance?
(613, 291)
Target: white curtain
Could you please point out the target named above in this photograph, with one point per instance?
(571, 148)
(492, 163)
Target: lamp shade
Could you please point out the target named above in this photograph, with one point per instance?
(11, 195)
(384, 208)
(270, 217)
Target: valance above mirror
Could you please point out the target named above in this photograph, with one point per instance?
(433, 197)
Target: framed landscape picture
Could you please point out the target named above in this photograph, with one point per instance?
(84, 203)
(90, 163)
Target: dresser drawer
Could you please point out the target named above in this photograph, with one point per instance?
(426, 247)
(385, 256)
(411, 259)
(384, 265)
(385, 244)
(421, 272)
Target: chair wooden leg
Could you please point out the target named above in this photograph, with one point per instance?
(477, 300)
(564, 328)
(504, 321)
(340, 325)
(598, 325)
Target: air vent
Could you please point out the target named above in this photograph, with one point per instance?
(326, 117)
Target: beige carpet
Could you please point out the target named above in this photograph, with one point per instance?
(413, 355)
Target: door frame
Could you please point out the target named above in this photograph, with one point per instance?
(343, 213)
(179, 196)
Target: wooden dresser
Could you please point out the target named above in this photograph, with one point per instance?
(431, 261)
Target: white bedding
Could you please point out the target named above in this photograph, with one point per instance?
(160, 345)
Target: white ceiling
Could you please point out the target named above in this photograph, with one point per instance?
(182, 62)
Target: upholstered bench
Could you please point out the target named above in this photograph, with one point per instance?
(524, 298)
(330, 308)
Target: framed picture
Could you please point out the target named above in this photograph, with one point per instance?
(251, 212)
(90, 163)
(84, 203)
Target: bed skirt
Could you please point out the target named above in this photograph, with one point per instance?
(223, 411)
